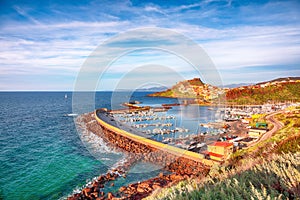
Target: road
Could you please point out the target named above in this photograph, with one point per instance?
(277, 125)
(237, 128)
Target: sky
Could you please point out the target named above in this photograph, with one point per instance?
(45, 44)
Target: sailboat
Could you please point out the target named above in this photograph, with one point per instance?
(66, 96)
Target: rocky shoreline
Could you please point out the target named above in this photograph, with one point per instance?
(180, 168)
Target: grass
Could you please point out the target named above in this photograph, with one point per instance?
(276, 178)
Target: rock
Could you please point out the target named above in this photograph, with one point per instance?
(94, 194)
(175, 177)
(155, 187)
(101, 193)
(161, 175)
(112, 184)
(110, 195)
(140, 190)
(144, 185)
(122, 189)
(86, 191)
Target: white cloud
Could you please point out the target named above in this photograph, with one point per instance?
(58, 47)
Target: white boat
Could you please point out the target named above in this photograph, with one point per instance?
(71, 115)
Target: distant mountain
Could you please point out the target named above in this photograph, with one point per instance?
(280, 80)
(236, 85)
(152, 89)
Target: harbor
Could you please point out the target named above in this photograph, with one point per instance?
(173, 139)
(230, 124)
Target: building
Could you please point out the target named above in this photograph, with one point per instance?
(219, 150)
(256, 132)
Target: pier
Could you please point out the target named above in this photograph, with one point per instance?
(139, 143)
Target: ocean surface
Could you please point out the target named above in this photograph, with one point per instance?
(42, 155)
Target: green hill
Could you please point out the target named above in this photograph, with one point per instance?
(277, 91)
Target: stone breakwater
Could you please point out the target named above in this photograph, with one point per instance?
(181, 167)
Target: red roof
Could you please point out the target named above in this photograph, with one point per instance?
(215, 155)
(223, 144)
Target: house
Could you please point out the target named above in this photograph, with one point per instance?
(256, 132)
(219, 150)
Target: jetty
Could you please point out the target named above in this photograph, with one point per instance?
(137, 141)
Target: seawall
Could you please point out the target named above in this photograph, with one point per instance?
(173, 158)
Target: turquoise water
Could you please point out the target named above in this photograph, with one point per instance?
(42, 156)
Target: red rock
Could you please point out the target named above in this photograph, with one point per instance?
(101, 193)
(155, 187)
(140, 190)
(122, 189)
(110, 195)
(144, 185)
(95, 194)
(176, 177)
(86, 191)
(161, 175)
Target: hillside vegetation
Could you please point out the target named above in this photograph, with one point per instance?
(278, 90)
(271, 93)
(277, 178)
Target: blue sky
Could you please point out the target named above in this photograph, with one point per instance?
(45, 43)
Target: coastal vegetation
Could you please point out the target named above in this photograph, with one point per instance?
(268, 170)
(275, 178)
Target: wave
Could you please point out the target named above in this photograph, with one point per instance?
(93, 142)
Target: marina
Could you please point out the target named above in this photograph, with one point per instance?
(170, 127)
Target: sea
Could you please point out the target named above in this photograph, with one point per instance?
(42, 153)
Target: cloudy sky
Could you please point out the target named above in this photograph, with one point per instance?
(44, 44)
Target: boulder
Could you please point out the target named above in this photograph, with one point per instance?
(140, 190)
(110, 195)
(122, 189)
(155, 187)
(86, 191)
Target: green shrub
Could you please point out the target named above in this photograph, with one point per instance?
(277, 178)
